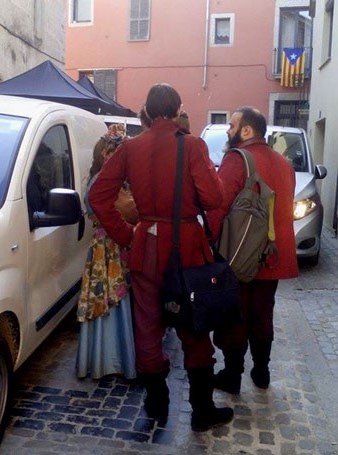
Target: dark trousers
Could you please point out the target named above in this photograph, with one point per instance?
(149, 328)
(257, 304)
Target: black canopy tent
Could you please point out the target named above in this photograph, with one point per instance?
(48, 82)
(86, 83)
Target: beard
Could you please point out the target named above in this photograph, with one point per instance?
(234, 140)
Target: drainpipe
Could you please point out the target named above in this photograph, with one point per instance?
(206, 45)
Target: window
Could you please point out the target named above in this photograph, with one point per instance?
(52, 168)
(222, 30)
(291, 113)
(12, 130)
(292, 146)
(104, 80)
(139, 24)
(295, 28)
(218, 117)
(81, 10)
(327, 29)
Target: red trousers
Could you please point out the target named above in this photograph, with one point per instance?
(257, 304)
(149, 328)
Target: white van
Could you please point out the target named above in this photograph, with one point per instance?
(293, 144)
(46, 151)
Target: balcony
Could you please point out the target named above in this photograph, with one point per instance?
(277, 62)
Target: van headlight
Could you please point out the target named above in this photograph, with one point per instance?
(303, 208)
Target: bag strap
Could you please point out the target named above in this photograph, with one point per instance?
(250, 167)
(178, 189)
(178, 195)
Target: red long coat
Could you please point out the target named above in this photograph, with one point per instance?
(279, 175)
(148, 163)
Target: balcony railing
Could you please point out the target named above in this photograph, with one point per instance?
(277, 61)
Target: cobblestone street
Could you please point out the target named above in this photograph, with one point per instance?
(56, 413)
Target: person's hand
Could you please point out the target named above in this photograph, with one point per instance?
(270, 255)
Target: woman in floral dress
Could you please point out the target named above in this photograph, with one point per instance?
(106, 341)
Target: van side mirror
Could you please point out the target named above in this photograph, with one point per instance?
(320, 171)
(63, 207)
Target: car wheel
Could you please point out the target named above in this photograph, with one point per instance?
(313, 260)
(5, 384)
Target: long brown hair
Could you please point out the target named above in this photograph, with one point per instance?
(108, 144)
(98, 157)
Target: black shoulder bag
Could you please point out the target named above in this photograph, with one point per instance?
(201, 298)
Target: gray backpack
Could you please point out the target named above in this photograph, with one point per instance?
(248, 228)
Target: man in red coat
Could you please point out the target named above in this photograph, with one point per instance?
(148, 163)
(247, 130)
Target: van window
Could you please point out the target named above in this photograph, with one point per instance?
(52, 168)
(11, 133)
(292, 146)
(131, 129)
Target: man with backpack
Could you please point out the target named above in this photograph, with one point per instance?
(247, 130)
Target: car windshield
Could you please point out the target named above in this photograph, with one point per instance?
(292, 146)
(11, 133)
(216, 141)
(289, 144)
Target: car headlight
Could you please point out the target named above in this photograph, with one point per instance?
(303, 208)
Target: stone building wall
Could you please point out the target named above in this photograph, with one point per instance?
(31, 31)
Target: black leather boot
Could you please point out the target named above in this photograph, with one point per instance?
(156, 403)
(204, 412)
(260, 351)
(228, 381)
(230, 378)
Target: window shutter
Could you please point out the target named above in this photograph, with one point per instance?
(105, 80)
(144, 9)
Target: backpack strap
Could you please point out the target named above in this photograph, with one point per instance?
(248, 161)
(252, 177)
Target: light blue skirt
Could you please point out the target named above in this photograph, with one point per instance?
(106, 344)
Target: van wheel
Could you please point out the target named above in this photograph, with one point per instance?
(5, 384)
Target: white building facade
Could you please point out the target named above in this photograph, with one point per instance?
(323, 118)
(31, 31)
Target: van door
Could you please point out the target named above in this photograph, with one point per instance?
(55, 254)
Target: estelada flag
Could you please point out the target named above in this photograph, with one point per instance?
(292, 67)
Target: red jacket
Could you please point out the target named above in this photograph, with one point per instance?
(148, 163)
(279, 175)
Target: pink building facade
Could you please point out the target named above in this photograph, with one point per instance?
(218, 54)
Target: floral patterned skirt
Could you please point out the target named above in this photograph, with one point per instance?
(104, 280)
(106, 340)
